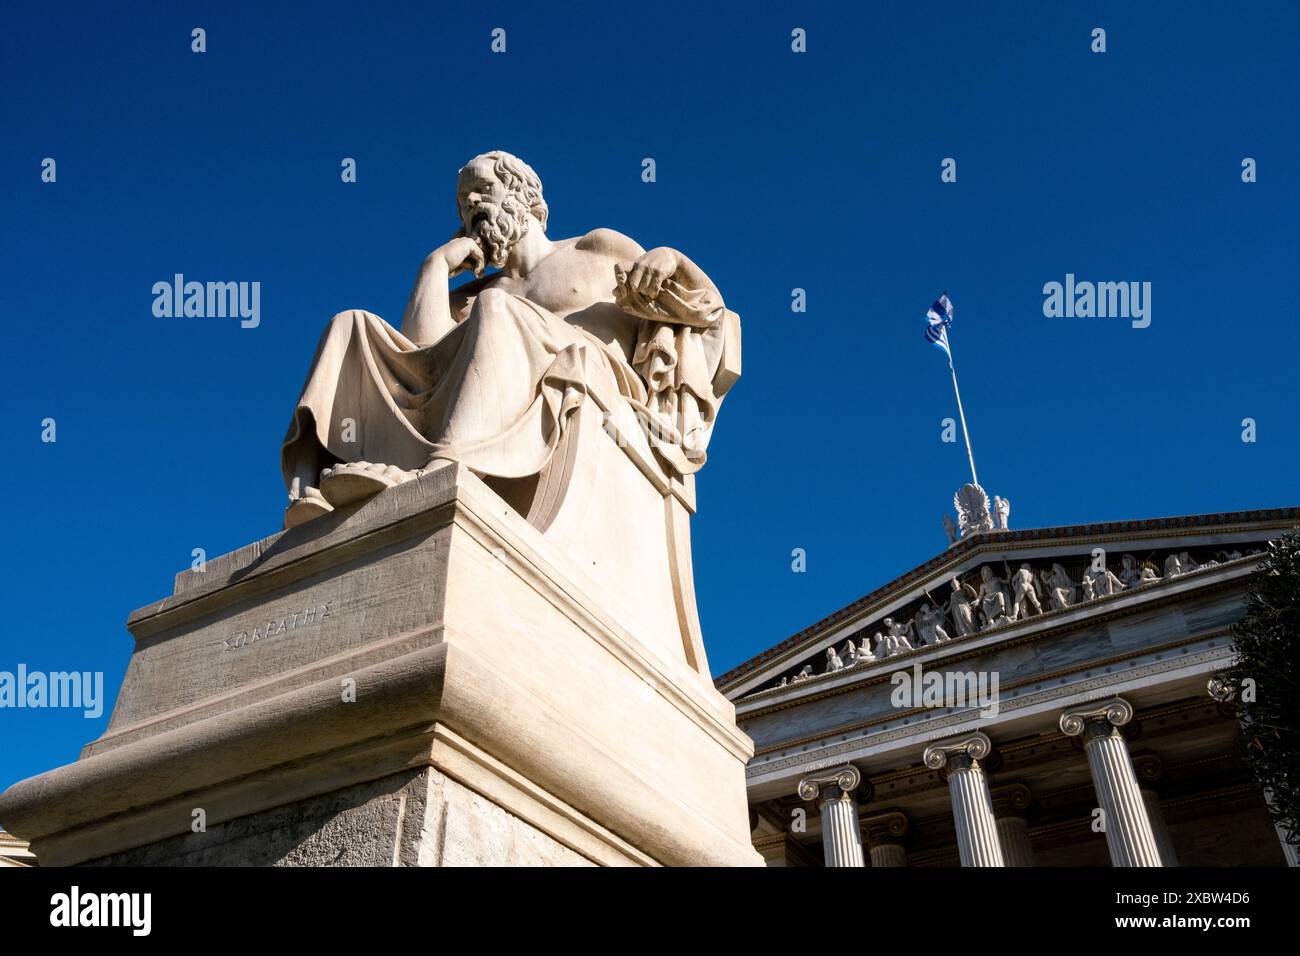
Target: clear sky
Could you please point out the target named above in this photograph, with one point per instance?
(775, 171)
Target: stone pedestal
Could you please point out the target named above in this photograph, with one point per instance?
(426, 679)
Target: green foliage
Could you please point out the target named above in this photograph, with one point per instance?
(1266, 678)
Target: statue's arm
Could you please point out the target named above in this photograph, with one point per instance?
(428, 312)
(642, 278)
(691, 276)
(428, 315)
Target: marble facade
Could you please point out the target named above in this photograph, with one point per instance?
(1105, 747)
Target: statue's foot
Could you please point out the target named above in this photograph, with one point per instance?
(354, 481)
(303, 509)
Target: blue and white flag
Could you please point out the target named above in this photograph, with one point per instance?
(937, 321)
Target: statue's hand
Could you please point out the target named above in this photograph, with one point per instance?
(459, 255)
(647, 275)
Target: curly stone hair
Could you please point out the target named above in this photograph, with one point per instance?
(518, 177)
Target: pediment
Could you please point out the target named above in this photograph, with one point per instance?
(1064, 568)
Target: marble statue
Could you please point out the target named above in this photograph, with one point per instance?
(949, 528)
(928, 625)
(894, 640)
(1182, 563)
(1002, 511)
(993, 598)
(972, 506)
(850, 653)
(804, 674)
(961, 606)
(833, 662)
(1135, 575)
(1025, 589)
(490, 373)
(865, 653)
(1098, 583)
(1061, 592)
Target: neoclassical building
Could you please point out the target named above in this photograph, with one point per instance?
(1025, 698)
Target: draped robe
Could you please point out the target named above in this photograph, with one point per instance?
(497, 391)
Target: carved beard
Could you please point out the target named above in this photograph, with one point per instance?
(501, 231)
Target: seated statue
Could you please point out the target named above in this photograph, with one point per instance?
(994, 599)
(1133, 574)
(894, 640)
(489, 374)
(865, 654)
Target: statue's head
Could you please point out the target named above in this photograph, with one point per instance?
(499, 198)
(986, 573)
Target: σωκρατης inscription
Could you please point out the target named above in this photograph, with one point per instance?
(277, 626)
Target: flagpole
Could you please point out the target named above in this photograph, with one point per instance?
(956, 391)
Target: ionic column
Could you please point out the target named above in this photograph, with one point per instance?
(1128, 828)
(885, 833)
(1010, 806)
(1149, 771)
(841, 840)
(972, 810)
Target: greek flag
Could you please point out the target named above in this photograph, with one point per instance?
(937, 321)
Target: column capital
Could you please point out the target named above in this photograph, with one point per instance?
(1220, 689)
(886, 828)
(974, 746)
(1112, 713)
(845, 778)
(1011, 800)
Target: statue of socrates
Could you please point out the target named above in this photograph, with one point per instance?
(488, 374)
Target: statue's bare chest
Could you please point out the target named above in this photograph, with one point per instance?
(567, 281)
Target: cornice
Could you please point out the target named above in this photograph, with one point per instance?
(937, 724)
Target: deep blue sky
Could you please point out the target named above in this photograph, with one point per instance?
(775, 170)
